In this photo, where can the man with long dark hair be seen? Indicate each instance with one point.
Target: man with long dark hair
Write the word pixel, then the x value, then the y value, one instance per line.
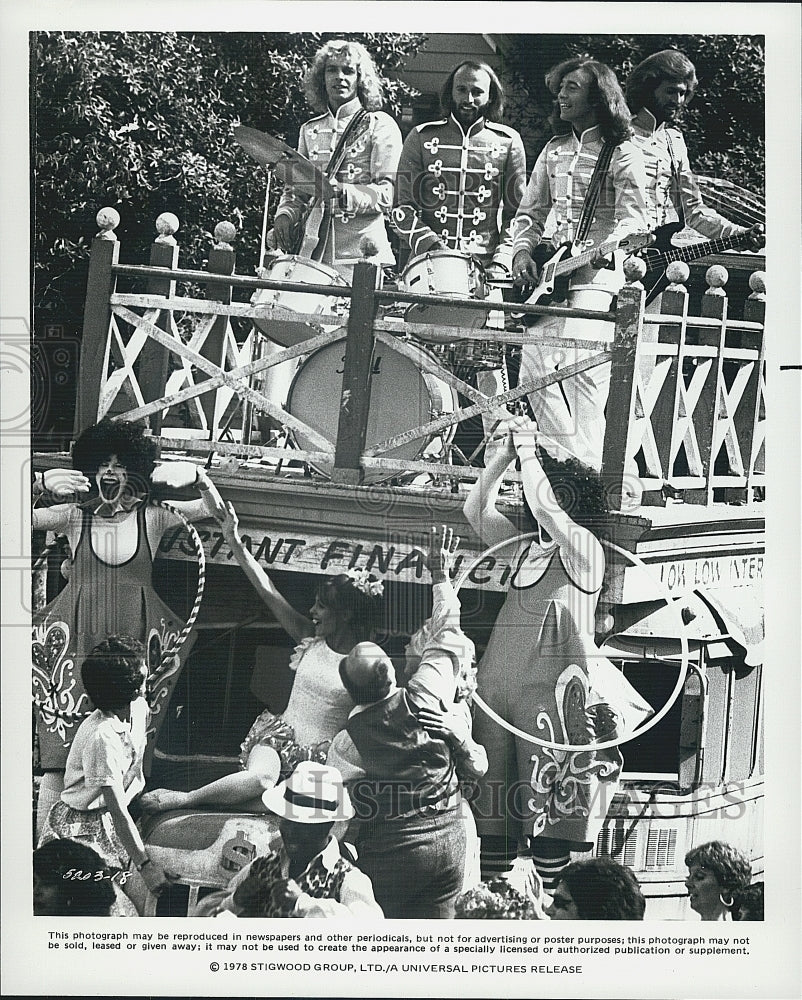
pixel 590 116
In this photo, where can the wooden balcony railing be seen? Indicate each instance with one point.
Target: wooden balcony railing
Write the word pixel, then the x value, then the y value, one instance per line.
pixel 686 400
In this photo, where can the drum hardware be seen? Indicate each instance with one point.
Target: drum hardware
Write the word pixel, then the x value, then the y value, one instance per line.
pixel 287 267
pixel 290 166
pixel 444 272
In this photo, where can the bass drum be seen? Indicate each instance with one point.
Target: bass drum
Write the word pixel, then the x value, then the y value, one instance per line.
pixel 402 397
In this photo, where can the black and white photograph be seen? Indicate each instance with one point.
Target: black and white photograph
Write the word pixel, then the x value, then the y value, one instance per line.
pixel 401 452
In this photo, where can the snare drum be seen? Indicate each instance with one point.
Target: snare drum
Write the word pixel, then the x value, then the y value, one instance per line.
pixel 402 397
pixel 475 354
pixel 299 270
pixel 444 272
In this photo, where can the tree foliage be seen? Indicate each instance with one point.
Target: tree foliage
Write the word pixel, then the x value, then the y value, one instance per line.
pixel 142 122
pixel 724 125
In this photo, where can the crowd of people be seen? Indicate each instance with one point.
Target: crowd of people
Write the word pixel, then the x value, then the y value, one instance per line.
pixel 392 794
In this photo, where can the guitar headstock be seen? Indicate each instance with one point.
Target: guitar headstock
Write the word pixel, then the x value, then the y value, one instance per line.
pixel 636 241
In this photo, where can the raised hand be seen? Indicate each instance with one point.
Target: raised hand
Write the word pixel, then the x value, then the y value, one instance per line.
pixel 443 547
pixel 64 482
pixel 175 474
pixel 230 523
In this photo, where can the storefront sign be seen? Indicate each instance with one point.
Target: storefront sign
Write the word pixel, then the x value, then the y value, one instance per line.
pixel 683 576
pixel 397 558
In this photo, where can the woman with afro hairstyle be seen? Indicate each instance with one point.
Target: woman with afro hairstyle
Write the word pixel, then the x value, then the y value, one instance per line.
pixel 541 671
pixel 104 508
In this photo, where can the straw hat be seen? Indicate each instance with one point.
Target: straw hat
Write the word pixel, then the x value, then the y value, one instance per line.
pixel 313 793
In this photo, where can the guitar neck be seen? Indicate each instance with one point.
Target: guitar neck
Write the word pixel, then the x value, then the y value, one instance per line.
pixel 697 250
pixel 574 263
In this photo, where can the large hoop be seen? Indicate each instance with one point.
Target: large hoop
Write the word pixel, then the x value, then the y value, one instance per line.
pixel 585 747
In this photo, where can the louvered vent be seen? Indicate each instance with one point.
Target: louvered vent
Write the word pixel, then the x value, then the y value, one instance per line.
pixel 661 848
pixel 610 843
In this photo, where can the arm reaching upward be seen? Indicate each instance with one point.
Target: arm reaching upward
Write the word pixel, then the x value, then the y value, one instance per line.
pixel 480 506
pixel 578 546
pixel 298 626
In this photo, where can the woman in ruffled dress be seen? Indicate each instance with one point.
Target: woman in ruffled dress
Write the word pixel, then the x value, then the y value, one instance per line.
pixel 346 611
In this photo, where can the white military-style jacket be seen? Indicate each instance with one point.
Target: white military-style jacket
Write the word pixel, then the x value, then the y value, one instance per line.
pixel 558 185
pixel 667 187
pixel 367 176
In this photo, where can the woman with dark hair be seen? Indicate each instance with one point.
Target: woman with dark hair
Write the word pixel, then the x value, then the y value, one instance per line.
pixel 717 873
pixel 591 122
pixel 114 535
pixel 346 611
pixel 71 879
pixel 541 672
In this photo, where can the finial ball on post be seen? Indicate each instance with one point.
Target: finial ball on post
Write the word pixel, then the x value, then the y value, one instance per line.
pixel 167 225
pixel 107 219
pixel 634 269
pixel 678 272
pixel 757 282
pixel 717 276
pixel 225 233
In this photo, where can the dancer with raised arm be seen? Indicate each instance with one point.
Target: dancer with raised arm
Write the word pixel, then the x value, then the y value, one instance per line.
pixel 346 611
pixel 114 535
pixel 541 672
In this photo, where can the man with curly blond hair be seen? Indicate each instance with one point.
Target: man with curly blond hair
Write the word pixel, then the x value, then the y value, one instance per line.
pixel 343 87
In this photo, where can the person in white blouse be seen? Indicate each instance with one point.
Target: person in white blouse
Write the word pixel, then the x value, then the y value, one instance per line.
pixel 346 611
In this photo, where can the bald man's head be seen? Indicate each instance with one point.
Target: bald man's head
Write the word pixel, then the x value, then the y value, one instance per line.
pixel 367 673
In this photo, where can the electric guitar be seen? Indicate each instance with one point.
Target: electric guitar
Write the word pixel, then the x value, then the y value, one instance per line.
pixel 553 281
pixel 313 226
pixel 663 252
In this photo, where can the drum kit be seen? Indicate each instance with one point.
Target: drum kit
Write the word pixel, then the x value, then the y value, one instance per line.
pixel 311 388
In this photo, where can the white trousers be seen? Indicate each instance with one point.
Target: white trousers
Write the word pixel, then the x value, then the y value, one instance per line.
pixel 570 413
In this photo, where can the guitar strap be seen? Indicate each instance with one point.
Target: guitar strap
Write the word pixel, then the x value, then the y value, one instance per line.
pixel 594 192
pixel 675 177
pixel 334 164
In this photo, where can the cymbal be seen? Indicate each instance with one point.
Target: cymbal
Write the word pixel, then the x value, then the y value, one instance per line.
pixel 287 163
